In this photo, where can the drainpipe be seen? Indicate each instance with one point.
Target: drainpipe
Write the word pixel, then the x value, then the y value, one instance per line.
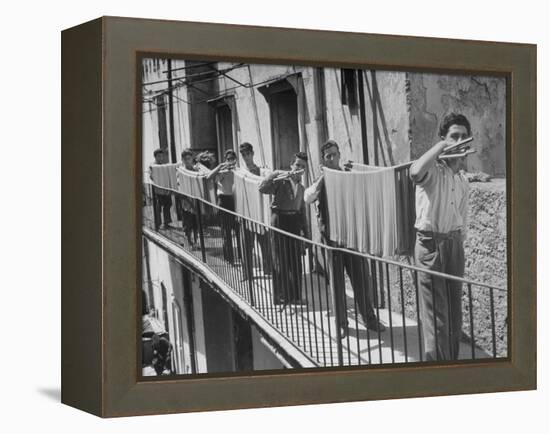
pixel 173 155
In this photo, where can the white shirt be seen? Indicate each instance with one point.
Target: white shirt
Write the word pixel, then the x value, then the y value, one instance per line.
pixel 442 200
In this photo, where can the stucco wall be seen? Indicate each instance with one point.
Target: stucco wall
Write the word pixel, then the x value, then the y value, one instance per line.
pixel 154 72
pixel 411 106
pixel 263 357
pixel 253 116
pixel 166 271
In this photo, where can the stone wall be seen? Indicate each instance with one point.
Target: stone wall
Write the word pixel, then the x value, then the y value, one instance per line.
pixel 486 261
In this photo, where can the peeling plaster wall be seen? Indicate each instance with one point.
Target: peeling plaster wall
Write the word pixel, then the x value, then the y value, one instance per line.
pixel 412 105
pixel 343 124
pixel 257 130
pixel 393 107
pixel 481 99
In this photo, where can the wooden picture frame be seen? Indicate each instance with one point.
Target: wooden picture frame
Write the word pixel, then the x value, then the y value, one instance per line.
pixel 101 228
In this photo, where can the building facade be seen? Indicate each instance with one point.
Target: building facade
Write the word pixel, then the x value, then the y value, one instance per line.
pixel 378 117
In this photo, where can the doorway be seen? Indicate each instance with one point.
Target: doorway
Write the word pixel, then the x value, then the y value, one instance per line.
pixel 285 133
pixel 224 129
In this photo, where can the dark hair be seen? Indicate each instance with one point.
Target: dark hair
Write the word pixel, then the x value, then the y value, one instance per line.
pixel 230 153
pixel 453 119
pixel 300 155
pixel 327 145
pixel 246 147
pixel 186 152
pixel 158 151
pixel 205 159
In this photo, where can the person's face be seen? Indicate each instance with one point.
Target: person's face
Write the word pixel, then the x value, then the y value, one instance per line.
pixel 161 158
pixel 331 158
pixel 248 156
pixel 188 161
pixel 298 164
pixel 456 133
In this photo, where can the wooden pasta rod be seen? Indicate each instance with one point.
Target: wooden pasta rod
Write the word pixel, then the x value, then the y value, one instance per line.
pixel 288 175
pixel 458 154
pixel 457 145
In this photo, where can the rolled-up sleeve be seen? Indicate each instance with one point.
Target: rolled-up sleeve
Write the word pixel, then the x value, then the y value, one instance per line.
pixel 428 177
pixel 268 186
pixel 312 192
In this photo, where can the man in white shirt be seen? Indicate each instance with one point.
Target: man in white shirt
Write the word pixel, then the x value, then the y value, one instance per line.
pixel 441 224
pixel 223 176
pixel 249 233
pixel 186 205
pixel 356 266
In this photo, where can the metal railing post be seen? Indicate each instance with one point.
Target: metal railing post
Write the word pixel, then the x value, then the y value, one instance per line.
pixel 156 212
pixel 333 263
pixel 201 233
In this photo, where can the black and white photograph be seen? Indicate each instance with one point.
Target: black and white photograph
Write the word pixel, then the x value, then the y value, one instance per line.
pixel 287 217
pixel 318 217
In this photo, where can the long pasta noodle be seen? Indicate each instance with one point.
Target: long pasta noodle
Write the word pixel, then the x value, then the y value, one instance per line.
pixel 370 209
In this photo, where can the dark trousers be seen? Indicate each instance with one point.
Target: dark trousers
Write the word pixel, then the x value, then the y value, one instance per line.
pixel 190 226
pixel 440 299
pixel 264 242
pixel 249 233
pixel 287 259
pixel 163 204
pixel 357 268
pixel 228 224
pixel 186 212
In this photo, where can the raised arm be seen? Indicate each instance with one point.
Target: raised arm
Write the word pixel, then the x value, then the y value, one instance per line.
pixel 268 185
pixel 312 192
pixel 421 166
pixel 212 174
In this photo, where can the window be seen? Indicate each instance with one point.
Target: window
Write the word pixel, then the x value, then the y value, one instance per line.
pixel 348 83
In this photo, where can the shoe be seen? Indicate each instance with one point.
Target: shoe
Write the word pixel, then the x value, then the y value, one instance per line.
pixel 376 325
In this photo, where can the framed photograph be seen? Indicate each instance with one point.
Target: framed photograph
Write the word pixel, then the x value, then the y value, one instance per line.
pixel 260 217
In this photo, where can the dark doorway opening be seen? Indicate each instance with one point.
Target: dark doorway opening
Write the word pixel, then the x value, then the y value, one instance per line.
pixel 224 129
pixel 284 127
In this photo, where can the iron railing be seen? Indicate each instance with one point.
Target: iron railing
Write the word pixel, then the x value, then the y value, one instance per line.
pixel 285 278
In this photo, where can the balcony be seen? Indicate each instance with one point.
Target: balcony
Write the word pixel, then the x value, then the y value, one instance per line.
pixel 240 255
